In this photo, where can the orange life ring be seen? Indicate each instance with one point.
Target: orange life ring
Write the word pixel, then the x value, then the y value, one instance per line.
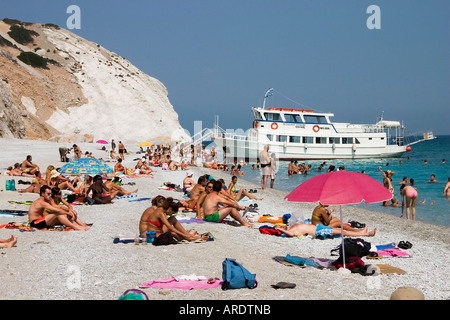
pixel 274 125
pixel 255 124
pixel 316 128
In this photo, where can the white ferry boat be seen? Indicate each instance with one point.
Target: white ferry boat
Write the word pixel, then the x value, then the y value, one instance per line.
pixel 301 134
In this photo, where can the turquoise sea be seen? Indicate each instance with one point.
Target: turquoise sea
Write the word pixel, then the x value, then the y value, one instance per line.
pixel 434 151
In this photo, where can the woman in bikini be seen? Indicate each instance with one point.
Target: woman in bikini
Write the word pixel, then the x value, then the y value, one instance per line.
pixel 411 195
pixel 238 195
pixel 154 219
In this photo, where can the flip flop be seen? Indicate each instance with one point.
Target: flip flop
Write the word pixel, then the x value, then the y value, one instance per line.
pixel 284 285
pixel 373 255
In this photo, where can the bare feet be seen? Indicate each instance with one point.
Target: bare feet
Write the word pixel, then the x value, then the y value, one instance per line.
pixel 372 233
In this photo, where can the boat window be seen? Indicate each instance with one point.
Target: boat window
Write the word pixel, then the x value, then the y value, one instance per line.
pixel 257 115
pixel 321 140
pixel 308 139
pixel 335 140
pixel 294 139
pixel 292 118
pixel 281 138
pixel 357 141
pixel 347 140
pixel 315 119
pixel 272 116
pixel 270 137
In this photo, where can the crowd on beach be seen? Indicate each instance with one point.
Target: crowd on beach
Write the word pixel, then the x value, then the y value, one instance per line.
pixel 212 200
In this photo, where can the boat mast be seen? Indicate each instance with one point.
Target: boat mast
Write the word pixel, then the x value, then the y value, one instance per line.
pixel 268 94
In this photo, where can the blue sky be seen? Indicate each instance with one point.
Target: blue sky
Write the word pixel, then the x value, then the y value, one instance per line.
pixel 220 57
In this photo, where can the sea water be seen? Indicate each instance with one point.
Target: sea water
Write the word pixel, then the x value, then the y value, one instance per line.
pixel 411 165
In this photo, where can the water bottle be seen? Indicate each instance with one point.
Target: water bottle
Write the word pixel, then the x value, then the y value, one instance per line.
pixel 137 240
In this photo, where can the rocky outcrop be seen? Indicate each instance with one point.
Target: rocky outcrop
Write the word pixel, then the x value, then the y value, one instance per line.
pixel 84 92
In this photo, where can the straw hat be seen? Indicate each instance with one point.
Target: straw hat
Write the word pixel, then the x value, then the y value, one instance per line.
pixel 109 176
pixel 54 174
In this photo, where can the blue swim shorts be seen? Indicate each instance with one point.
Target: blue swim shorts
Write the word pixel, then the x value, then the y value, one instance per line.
pixel 323 231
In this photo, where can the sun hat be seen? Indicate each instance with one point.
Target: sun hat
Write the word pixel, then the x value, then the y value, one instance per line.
pixel 189 173
pixel 54 174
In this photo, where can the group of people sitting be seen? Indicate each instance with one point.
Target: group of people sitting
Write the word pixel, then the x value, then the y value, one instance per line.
pixel 212 200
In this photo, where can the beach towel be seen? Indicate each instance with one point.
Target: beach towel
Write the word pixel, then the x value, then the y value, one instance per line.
pixel 387 269
pixel 394 252
pixel 128 196
pixel 270 219
pixel 21 202
pixel 184 283
pixel 23 227
pixel 12 213
pixel 139 199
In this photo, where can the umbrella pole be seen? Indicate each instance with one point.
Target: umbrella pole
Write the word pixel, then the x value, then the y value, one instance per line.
pixel 342 236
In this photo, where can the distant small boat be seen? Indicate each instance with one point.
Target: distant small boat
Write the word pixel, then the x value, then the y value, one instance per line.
pixel 429 136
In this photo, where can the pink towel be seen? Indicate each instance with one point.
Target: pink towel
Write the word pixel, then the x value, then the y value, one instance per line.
pixel 183 284
pixel 395 252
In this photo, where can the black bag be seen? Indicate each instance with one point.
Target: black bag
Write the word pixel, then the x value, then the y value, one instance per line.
pixel 164 239
pixel 353 248
pixel 89 200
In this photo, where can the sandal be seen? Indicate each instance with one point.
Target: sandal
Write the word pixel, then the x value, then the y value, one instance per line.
pixel 284 285
pixel 373 255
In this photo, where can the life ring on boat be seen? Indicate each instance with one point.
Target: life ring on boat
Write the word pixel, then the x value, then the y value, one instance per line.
pixel 255 124
pixel 316 128
pixel 274 126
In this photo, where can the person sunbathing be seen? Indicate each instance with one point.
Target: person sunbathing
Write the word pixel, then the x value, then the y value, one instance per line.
pixel 42 214
pixel 115 189
pixel 301 229
pixel 119 167
pixel 213 212
pixel 8 243
pixel 188 183
pixel 154 219
pixel 100 193
pixel 16 171
pixel 58 201
pixel 321 215
pixel 241 193
pixel 56 181
pixel 28 166
pixel 196 191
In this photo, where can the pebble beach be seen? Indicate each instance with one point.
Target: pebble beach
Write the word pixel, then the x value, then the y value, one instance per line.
pixel 88 265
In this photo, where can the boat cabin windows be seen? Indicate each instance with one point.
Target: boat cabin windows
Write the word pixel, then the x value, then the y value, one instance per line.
pixel 270 137
pixel 294 139
pixel 272 116
pixel 292 118
pixel 308 140
pixel 335 140
pixel 281 138
pixel 315 119
pixel 321 140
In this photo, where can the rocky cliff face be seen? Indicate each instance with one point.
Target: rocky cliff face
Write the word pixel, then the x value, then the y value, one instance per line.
pixel 83 92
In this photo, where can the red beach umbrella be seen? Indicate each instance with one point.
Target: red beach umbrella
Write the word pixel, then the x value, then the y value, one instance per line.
pixel 338 188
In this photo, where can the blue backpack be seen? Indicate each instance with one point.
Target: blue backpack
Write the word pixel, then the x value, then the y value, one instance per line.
pixel 235 276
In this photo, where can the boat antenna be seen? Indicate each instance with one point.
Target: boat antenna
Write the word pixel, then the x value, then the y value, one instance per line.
pixel 268 94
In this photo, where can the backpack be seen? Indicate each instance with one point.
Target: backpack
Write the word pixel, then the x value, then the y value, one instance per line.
pixel 164 239
pixel 10 185
pixel 353 248
pixel 235 276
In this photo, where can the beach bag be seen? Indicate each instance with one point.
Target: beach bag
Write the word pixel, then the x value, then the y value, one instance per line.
pixel 164 239
pixel 354 248
pixel 10 185
pixel 235 276
pixel 89 200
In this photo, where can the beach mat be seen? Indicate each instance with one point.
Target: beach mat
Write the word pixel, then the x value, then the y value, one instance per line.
pixel 387 269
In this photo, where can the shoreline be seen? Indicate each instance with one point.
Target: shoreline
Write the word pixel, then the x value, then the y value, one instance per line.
pixel 86 265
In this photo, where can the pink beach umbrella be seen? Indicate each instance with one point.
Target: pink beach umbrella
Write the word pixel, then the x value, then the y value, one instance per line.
pixel 102 141
pixel 338 188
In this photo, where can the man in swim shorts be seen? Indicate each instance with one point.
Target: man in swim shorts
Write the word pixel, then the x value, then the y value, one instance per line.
pixel 301 229
pixel 43 214
pixel 213 213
